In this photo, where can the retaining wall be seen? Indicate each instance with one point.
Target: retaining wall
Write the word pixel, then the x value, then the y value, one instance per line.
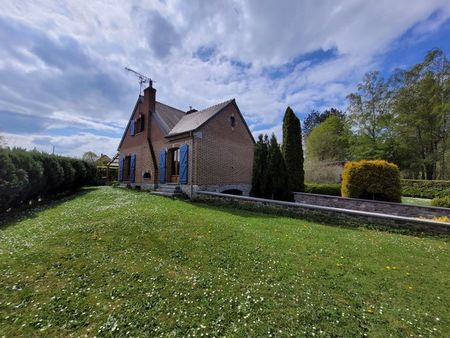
pixel 397 209
pixel 328 214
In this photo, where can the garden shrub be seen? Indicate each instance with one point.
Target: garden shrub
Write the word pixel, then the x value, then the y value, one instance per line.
pixel 12 180
pixel 323 189
pixel 443 202
pixel 425 188
pixel 27 175
pixel 34 173
pixel 373 179
pixel 69 171
pixel 54 173
pixel 91 173
pixel 80 172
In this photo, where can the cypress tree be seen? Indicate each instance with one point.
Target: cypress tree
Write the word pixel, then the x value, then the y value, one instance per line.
pixel 259 173
pixel 277 172
pixel 292 149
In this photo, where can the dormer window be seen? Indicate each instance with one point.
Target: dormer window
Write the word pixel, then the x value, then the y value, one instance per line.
pixel 232 121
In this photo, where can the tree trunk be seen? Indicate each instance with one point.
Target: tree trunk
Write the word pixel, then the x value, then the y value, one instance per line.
pixel 429 171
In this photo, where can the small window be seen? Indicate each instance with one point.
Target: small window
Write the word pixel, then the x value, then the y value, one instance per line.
pixel 147 175
pixel 232 121
pixel 140 124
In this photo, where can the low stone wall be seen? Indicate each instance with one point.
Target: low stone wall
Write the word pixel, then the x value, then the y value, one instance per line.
pixel 327 214
pixel 397 209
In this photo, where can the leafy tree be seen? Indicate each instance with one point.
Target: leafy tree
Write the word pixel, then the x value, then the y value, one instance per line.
pixel 260 174
pixel 329 141
pixel 422 110
pixel 278 172
pixel 90 156
pixel 293 151
pixel 315 118
pixel 371 118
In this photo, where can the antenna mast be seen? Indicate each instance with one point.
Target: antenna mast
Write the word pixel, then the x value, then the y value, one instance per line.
pixel 142 78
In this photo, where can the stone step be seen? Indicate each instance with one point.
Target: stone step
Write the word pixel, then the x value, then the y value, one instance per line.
pixel 169 190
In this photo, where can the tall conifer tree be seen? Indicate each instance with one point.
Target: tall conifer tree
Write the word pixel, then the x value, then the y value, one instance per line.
pixel 259 175
pixel 292 149
pixel 278 175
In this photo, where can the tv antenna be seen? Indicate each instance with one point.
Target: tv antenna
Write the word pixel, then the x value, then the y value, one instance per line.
pixel 142 78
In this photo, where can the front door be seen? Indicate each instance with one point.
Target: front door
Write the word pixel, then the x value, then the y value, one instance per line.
pixel 174 160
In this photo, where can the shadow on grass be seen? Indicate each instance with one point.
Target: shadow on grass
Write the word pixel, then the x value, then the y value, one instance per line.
pixel 8 219
pixel 248 210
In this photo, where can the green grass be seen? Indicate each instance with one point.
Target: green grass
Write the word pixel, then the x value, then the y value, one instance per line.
pixel 426 202
pixel 113 262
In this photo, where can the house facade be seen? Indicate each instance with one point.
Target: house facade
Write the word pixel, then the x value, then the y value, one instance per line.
pixel 210 150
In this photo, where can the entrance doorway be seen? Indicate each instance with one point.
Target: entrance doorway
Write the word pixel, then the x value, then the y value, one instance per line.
pixel 174 165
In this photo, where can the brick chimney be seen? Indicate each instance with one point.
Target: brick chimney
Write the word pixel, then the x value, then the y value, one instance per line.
pixel 149 98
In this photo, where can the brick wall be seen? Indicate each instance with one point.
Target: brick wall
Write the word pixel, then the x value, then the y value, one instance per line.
pixel 138 144
pixel 224 154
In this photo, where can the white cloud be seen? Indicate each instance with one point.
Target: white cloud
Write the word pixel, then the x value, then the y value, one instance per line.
pixel 84 83
pixel 72 145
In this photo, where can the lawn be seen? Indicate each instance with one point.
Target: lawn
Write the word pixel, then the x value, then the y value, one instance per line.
pixel 425 202
pixel 114 262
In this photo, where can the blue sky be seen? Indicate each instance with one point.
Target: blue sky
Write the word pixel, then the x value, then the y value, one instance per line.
pixel 62 74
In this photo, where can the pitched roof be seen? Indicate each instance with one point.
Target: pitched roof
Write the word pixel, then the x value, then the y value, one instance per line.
pixel 192 121
pixel 167 116
pixel 174 121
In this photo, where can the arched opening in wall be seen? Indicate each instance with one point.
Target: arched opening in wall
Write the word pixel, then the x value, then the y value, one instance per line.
pixel 232 192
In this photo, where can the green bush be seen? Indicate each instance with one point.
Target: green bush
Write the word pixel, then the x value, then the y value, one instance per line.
pixel 323 188
pixel 69 171
pixel 12 181
pixel 54 173
pixel 91 173
pixel 27 175
pixel 425 188
pixel 35 172
pixel 374 179
pixel 443 202
pixel 80 173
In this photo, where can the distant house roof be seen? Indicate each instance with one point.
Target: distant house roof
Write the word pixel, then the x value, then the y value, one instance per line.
pixel 103 158
pixel 192 121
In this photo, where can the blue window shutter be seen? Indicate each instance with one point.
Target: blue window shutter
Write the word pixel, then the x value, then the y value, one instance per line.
pixel 121 164
pixel 162 166
pixel 184 163
pixel 132 125
pixel 133 168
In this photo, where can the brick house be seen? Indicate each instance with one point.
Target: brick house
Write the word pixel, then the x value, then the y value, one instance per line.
pixel 167 149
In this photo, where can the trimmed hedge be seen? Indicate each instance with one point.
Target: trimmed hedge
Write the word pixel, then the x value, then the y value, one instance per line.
pixel 333 189
pixel 443 202
pixel 30 175
pixel 375 179
pixel 425 188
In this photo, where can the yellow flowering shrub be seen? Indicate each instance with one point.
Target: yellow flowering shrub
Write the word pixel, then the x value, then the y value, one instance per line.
pixel 441 219
pixel 371 179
